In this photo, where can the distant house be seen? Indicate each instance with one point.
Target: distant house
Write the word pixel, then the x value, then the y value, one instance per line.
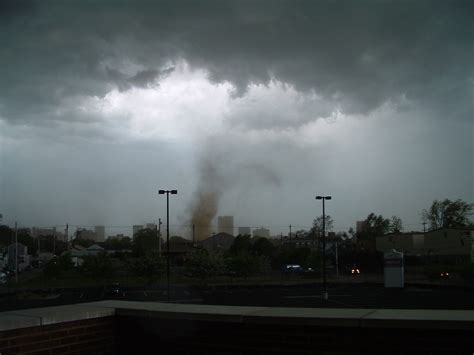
pixel 455 244
pixel 179 245
pixel 220 241
pixel 78 252
pixel 94 250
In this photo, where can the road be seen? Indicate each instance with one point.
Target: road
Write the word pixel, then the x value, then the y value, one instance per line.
pixel 340 296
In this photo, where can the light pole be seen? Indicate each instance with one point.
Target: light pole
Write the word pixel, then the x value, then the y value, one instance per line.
pixel 168 192
pixel 325 292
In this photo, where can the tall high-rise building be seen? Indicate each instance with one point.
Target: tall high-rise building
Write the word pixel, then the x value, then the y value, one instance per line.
pixel 225 224
pixel 151 226
pixel 245 231
pixel 137 228
pixel 99 233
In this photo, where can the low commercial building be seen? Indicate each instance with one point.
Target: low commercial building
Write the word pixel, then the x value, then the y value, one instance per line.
pixel 99 233
pixel 454 244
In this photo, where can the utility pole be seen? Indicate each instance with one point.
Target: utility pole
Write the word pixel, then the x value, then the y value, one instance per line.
pixel 54 241
pixel 168 192
pixel 66 236
pixel 159 236
pixel 325 289
pixel 290 231
pixel 16 253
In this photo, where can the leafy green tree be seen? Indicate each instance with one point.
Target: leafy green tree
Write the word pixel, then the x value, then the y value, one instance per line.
pixel 377 225
pixel 396 224
pixel 7 236
pixel 246 264
pixel 374 226
pixel 99 267
pixel 448 214
pixel 313 260
pixel 262 246
pixel 317 228
pixel 151 267
pixel 48 244
pixel 57 265
pixel 124 243
pixel 241 244
pixel 202 265
pixel 146 241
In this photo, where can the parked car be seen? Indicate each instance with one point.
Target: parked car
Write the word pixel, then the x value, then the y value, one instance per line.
pixel 114 290
pixel 353 270
pixel 292 268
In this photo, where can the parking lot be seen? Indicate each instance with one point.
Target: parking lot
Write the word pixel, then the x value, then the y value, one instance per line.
pixel 308 295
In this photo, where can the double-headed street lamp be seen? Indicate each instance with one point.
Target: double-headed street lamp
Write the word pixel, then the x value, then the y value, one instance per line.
pixel 168 192
pixel 325 294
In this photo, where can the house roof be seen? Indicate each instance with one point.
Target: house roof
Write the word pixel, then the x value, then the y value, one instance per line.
pixel 95 247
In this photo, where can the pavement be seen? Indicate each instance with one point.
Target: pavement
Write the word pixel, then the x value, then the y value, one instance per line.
pixel 341 295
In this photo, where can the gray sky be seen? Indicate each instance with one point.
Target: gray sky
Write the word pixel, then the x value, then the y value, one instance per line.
pixel 102 103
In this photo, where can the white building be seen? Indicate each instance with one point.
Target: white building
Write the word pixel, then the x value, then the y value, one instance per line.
pixel 261 232
pixel 440 243
pixel 99 233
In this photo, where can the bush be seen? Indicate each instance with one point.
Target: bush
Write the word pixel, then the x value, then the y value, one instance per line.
pixel 246 264
pixel 57 265
pixel 467 272
pixel 100 267
pixel 202 265
pixel 151 267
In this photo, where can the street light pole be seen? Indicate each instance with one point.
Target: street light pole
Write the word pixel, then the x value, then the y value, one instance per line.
pixel 325 290
pixel 168 192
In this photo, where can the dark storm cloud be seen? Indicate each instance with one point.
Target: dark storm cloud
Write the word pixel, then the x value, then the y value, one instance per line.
pixel 357 55
pixel 142 79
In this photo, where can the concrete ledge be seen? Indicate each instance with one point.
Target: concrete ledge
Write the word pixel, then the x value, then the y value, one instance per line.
pixel 420 319
pixel 180 311
pixel 332 317
pixel 327 317
pixel 51 315
pixel 10 321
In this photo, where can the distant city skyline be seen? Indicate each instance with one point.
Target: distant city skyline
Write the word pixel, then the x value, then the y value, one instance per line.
pixel 251 110
pixel 186 230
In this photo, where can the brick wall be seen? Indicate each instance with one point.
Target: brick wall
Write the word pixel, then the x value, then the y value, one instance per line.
pixel 88 336
pixel 122 327
pixel 168 336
